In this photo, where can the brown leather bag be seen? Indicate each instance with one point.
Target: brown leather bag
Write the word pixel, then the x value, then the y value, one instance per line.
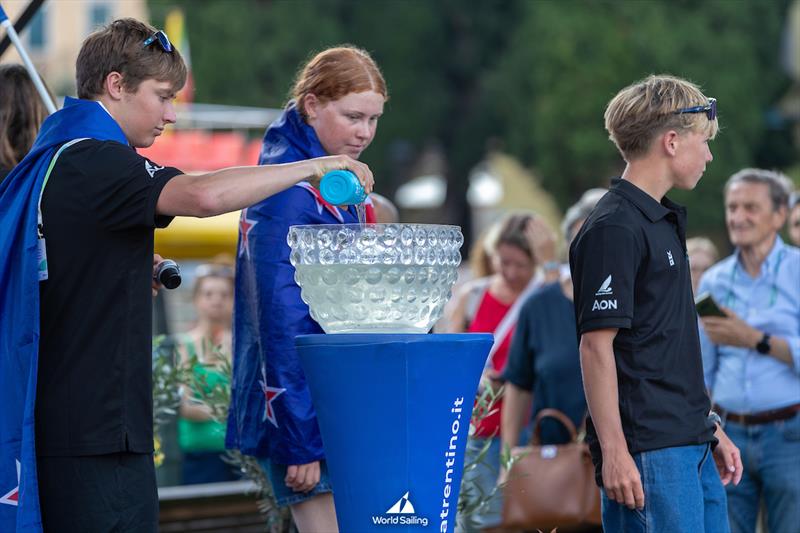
pixel 552 485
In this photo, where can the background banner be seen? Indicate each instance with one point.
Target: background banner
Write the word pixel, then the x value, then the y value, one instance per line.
pixel 394 414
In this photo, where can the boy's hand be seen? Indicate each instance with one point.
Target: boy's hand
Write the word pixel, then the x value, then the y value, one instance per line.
pixel 728 459
pixel 323 165
pixel 157 259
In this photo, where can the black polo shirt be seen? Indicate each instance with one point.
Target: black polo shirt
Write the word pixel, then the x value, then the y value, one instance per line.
pixel 630 271
pixel 94 392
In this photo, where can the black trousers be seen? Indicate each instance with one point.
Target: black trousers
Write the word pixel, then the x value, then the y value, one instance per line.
pixel 98 493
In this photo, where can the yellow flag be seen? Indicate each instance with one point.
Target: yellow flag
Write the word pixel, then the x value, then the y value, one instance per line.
pixel 176 30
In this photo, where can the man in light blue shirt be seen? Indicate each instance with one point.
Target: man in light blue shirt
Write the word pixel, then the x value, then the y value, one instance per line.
pixel 751 357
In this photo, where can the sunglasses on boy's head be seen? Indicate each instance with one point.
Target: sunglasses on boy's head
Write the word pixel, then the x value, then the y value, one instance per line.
pixel 710 109
pixel 161 38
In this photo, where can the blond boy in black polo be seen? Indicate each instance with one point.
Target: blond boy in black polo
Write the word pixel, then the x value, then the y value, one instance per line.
pixel 650 432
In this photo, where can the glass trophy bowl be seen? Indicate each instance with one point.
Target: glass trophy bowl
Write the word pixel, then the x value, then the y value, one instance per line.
pixel 376 278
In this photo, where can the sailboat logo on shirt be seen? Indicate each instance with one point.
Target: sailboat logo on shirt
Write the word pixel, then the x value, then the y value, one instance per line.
pixel 605 289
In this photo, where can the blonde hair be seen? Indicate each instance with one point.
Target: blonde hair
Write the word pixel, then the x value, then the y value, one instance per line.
pixel 482 250
pixel 645 109
pixel 221 266
pixel 703 245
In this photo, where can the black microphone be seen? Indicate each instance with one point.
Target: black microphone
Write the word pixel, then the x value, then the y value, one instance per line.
pixel 168 273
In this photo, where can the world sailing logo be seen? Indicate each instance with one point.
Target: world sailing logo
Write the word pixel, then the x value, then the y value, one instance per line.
pixel 403 506
pixel 401 513
pixel 604 290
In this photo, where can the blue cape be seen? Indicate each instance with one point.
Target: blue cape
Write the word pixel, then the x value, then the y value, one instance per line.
pixel 289 139
pixel 271 413
pixel 19 306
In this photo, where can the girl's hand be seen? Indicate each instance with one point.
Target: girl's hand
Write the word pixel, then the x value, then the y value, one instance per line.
pixel 303 478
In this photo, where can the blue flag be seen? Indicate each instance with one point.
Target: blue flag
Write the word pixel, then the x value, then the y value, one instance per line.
pixel 271 414
pixel 19 306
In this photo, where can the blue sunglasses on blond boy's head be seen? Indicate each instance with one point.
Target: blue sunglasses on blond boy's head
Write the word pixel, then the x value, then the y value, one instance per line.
pixel 161 38
pixel 710 109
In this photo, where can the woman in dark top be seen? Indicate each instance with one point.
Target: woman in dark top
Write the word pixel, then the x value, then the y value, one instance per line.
pixel 544 363
pixel 543 369
pixel 21 113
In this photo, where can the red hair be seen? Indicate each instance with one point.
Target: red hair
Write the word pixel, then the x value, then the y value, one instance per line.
pixel 337 72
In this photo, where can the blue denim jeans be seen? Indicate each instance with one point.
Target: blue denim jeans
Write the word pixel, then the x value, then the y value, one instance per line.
pixel 682 494
pixel 284 496
pixel 771 459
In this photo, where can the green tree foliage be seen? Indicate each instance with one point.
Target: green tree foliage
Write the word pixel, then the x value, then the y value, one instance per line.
pixel 564 65
pixel 535 75
pixel 246 52
pixel 444 52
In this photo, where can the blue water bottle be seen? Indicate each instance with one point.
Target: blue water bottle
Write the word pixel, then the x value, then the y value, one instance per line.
pixel 341 187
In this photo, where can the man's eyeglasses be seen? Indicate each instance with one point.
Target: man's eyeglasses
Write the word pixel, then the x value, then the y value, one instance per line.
pixel 710 109
pixel 161 38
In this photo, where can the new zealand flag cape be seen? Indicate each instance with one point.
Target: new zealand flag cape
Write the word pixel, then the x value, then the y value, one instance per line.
pixel 19 305
pixel 271 413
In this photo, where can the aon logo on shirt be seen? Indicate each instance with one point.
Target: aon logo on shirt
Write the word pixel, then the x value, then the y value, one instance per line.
pixel 604 305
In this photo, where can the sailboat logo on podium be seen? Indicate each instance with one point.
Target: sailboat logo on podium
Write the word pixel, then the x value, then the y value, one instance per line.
pixel 403 506
pixel 402 513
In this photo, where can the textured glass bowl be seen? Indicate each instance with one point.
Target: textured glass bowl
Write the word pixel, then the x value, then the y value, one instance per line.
pixel 379 278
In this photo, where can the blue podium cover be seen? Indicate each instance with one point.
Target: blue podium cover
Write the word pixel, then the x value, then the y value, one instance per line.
pixel 394 414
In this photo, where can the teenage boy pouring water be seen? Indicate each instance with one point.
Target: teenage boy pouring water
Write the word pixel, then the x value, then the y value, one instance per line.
pixel 100 203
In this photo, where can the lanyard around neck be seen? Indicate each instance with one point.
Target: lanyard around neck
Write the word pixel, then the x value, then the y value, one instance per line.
pixel 730 299
pixel 39 221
